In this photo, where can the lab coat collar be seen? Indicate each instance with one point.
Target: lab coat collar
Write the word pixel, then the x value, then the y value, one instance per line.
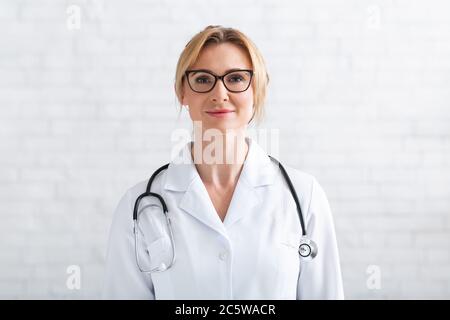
pixel 257 169
pixel 182 176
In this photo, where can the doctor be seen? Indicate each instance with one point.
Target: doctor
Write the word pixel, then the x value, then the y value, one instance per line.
pixel 236 230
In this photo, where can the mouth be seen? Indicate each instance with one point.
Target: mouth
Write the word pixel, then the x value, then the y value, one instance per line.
pixel 220 112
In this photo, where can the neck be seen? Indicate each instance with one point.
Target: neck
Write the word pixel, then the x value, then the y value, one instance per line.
pixel 219 162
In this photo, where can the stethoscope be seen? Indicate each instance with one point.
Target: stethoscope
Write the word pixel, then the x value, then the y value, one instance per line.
pixel 307 248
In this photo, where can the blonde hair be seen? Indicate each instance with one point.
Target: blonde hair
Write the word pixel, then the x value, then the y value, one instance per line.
pixel 217 35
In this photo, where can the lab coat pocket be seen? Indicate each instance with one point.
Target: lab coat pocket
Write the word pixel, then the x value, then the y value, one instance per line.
pixel 291 240
pixel 160 253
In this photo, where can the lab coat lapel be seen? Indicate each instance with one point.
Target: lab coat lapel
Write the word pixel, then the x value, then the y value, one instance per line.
pixel 197 203
pixel 182 176
pixel 242 203
pixel 257 172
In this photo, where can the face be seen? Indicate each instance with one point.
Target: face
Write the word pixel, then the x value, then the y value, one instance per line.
pixel 218 59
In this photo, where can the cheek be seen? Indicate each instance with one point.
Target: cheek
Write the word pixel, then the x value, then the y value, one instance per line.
pixel 194 103
pixel 245 101
pixel 194 112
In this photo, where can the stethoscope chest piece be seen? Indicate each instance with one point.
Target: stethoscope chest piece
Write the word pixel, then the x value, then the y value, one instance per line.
pixel 307 248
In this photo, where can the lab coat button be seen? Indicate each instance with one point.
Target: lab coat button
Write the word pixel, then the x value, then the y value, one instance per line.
pixel 223 256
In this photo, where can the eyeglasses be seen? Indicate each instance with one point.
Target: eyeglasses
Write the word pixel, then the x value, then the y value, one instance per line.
pixel 203 81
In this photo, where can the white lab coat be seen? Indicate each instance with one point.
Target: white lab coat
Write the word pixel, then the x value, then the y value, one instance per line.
pixel 252 254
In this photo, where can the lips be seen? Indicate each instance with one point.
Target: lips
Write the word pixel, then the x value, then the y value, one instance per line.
pixel 218 111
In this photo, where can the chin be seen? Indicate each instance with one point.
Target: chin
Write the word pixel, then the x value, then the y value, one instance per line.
pixel 221 125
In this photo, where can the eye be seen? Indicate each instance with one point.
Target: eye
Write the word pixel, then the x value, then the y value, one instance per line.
pixel 203 80
pixel 236 79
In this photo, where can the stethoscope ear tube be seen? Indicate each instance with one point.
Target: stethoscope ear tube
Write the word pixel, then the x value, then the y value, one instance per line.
pixel 148 194
pixel 307 248
pixel 293 193
pixel 152 194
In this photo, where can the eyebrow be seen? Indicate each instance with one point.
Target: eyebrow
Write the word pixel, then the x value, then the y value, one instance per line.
pixel 226 71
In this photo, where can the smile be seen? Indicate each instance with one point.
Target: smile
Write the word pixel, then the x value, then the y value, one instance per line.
pixel 220 113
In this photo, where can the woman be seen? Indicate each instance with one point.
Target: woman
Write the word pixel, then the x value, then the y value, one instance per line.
pixel 235 226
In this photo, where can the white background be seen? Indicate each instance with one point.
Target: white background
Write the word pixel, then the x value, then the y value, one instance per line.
pixel 359 93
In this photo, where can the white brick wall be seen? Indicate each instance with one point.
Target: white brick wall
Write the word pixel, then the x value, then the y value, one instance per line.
pixel 359 93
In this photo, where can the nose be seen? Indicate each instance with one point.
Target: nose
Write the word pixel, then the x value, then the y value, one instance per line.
pixel 219 92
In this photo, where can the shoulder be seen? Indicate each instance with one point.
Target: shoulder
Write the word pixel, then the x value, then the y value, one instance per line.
pixel 302 181
pixel 137 189
pixel 307 187
pixel 127 201
pixel 140 187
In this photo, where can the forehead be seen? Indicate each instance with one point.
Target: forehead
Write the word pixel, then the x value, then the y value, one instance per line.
pixel 219 58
